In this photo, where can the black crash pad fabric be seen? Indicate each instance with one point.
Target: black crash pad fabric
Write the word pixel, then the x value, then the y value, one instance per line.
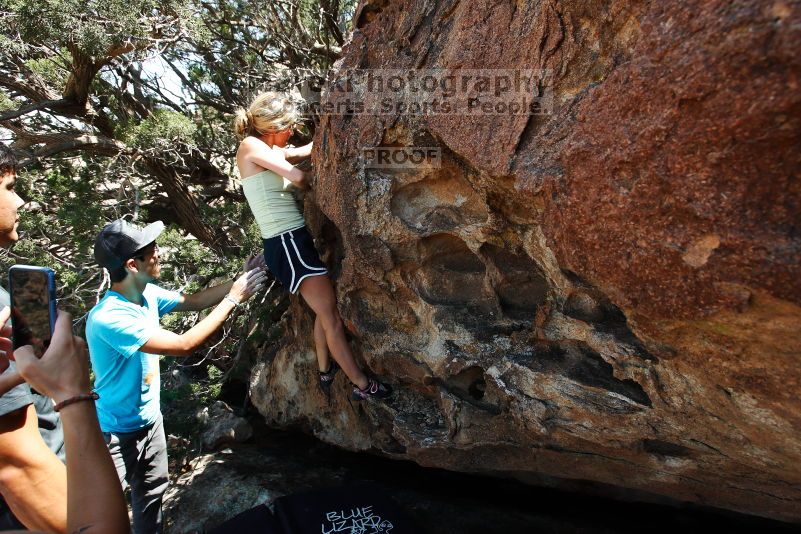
pixel 363 509
pixel 258 520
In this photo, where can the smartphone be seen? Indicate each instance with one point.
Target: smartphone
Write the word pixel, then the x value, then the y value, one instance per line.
pixel 33 305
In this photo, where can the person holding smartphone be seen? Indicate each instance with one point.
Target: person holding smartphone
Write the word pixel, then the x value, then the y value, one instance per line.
pixel 33 479
pixel 125 341
pixel 95 502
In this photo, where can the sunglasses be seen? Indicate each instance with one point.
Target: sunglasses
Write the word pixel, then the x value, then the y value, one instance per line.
pixel 145 252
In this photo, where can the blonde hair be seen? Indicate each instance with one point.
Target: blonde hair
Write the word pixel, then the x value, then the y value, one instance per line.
pixel 270 112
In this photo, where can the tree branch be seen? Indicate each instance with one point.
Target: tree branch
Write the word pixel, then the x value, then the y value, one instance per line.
pixel 25 88
pixel 331 52
pixel 86 144
pixel 44 104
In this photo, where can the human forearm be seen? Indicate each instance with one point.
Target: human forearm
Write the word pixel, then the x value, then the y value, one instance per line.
pixel 91 499
pixel 166 342
pixel 193 338
pixel 9 380
pixel 296 176
pixel 205 299
pixel 32 479
pixel 228 296
pixel 272 160
pixel 94 496
pixel 300 152
pixel 37 496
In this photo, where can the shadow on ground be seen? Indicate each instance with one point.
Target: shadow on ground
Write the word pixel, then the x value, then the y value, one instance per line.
pixel 274 463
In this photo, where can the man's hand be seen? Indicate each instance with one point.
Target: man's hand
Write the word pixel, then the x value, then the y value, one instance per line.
pixel 255 262
pixel 247 285
pixel 63 370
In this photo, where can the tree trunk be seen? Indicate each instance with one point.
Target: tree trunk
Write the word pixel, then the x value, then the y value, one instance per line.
pixel 186 209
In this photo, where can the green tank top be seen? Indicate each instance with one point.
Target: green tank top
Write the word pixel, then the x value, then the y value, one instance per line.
pixel 272 203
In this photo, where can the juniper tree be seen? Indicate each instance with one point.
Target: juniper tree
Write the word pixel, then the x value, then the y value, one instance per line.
pixel 122 107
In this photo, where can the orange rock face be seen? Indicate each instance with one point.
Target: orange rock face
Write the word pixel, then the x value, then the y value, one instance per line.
pixel 605 294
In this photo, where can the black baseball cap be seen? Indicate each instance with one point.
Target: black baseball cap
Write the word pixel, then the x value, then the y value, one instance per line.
pixel 120 240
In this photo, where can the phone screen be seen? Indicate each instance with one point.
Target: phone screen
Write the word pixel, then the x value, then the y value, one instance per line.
pixel 31 309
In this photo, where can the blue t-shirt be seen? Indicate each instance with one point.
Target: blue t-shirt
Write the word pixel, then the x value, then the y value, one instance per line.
pixel 127 379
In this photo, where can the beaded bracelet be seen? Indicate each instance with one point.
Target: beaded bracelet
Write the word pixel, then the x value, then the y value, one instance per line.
pixel 77 398
pixel 230 299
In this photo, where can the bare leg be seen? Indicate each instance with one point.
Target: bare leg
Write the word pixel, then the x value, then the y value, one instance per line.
pixel 318 293
pixel 321 346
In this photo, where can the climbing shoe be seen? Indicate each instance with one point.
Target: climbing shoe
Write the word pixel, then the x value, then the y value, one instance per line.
pixel 374 390
pixel 327 377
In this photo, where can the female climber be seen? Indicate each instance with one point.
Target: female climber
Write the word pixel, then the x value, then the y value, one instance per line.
pixel 267 180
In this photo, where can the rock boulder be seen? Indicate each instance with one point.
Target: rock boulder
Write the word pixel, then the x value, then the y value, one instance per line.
pixel 604 295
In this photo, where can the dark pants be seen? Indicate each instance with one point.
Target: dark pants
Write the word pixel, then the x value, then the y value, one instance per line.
pixel 141 461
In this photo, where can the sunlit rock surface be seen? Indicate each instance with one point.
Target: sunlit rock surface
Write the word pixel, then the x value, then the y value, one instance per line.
pixel 605 296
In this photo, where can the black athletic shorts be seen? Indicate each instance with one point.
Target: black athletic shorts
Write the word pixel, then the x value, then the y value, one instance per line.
pixel 291 257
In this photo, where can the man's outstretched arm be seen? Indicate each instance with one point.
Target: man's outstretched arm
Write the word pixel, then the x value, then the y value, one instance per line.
pixel 166 342
pixel 213 295
pixel 203 299
pixel 33 480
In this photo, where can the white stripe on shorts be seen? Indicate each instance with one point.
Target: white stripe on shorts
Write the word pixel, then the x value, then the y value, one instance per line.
pixel 289 259
pixel 292 240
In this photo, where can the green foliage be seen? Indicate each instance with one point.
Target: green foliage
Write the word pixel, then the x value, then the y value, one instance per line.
pixel 201 391
pixel 184 257
pixel 49 70
pixel 97 26
pixel 181 403
pixel 134 111
pixel 63 201
pixel 181 393
pixel 215 382
pixel 161 130
pixel 6 104
pixel 216 135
